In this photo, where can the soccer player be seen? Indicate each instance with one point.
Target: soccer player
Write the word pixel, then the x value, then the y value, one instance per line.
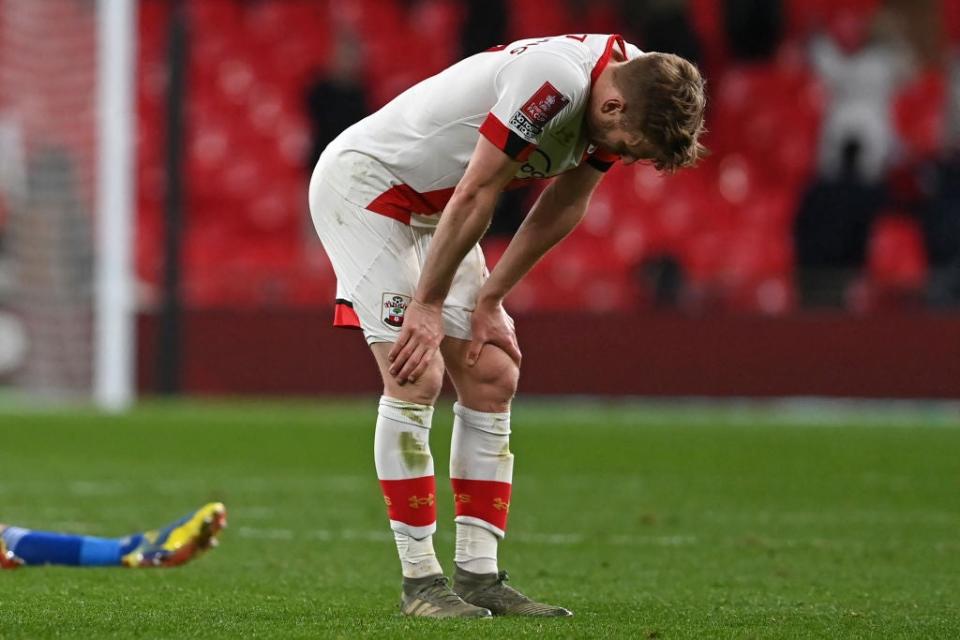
pixel 173 545
pixel 400 201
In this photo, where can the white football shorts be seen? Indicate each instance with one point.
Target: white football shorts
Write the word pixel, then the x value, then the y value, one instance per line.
pixel 378 260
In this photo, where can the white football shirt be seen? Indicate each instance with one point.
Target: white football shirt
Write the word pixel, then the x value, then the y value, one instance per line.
pixel 529 98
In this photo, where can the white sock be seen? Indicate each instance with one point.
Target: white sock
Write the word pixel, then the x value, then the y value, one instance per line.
pixel 417 557
pixel 476 549
pixel 405 470
pixel 481 472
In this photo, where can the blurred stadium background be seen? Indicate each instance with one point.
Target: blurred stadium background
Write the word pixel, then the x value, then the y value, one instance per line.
pixel 816 252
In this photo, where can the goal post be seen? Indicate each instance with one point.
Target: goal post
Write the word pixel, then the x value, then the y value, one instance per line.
pixel 114 339
pixel 67 166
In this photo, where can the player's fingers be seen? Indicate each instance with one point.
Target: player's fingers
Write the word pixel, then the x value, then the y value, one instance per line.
pixel 411 362
pixel 513 350
pixel 509 344
pixel 398 345
pixel 400 360
pixel 422 366
pixel 474 349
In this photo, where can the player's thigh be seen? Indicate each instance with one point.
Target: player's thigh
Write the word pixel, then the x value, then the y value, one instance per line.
pixel 376 260
pixel 462 297
pixel 490 384
pixel 424 390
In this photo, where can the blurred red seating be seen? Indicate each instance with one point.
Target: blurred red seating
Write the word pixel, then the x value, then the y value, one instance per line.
pixel 895 255
pixel 728 222
pixel 804 16
pixel 920 114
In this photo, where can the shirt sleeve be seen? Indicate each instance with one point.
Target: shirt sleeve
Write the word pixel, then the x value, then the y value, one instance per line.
pixel 533 91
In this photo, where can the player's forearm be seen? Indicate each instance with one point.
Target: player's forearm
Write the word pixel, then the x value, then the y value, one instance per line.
pixel 464 221
pixel 549 221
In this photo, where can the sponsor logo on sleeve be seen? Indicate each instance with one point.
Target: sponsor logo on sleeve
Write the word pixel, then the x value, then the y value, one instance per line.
pixel 536 112
pixel 524 127
pixel 544 104
pixel 394 306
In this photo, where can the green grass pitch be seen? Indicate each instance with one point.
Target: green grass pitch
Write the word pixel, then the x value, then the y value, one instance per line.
pixel 649 521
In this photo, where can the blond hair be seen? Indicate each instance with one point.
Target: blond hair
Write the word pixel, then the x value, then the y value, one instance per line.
pixel 665 103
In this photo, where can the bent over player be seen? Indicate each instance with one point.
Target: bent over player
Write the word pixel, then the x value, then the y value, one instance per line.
pixel 400 201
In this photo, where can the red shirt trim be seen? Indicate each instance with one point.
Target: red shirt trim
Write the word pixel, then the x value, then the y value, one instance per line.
pixel 506 139
pixel 615 39
pixel 600 160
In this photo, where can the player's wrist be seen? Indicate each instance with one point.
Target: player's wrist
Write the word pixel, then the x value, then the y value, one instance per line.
pixel 431 305
pixel 489 300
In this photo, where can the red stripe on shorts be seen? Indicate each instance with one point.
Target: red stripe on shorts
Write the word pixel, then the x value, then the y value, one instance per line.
pixel 411 501
pixel 344 316
pixel 399 201
pixel 487 500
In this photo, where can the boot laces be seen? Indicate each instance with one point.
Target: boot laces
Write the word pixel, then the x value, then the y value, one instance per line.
pixel 440 590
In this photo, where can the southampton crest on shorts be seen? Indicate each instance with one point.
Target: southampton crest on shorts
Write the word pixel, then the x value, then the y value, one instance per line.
pixel 394 305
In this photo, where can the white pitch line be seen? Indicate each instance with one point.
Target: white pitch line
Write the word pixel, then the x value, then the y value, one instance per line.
pixel 95 488
pixel 271 534
pixel 858 516
pixel 549 538
pixel 553 539
pixel 656 541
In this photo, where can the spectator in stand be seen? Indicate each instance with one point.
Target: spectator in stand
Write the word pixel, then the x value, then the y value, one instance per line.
pixel 941 215
pixel 953 100
pixel 663 282
pixel 484 25
pixel 662 25
pixel 753 27
pixel 831 230
pixel 861 76
pixel 336 99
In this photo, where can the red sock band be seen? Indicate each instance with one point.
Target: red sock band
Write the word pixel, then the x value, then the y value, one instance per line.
pixel 486 500
pixel 411 501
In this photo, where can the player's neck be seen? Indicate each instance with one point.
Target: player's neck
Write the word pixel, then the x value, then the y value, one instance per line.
pixel 603 87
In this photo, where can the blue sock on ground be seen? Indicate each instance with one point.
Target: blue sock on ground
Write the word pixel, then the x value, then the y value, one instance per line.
pixel 46 547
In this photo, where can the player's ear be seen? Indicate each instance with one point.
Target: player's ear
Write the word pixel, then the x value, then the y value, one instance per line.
pixel 612 106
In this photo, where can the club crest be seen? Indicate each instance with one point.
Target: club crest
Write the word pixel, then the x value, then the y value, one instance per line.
pixel 394 306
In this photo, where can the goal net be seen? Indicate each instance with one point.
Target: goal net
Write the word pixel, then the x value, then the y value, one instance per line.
pixel 54 158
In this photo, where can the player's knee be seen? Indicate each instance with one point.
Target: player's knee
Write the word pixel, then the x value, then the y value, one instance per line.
pixel 431 382
pixel 424 390
pixel 498 374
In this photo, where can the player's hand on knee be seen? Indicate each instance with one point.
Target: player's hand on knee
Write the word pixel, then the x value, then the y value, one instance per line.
pixel 491 324
pixel 418 342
